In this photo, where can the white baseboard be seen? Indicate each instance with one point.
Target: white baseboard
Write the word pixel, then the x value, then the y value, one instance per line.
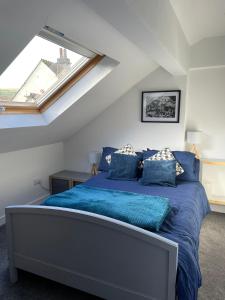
pixel 34 202
pixel 218 208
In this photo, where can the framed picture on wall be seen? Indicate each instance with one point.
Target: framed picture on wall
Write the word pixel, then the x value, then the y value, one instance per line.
pixel 161 106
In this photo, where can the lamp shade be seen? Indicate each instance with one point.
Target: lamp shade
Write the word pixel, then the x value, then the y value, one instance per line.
pixel 93 157
pixel 194 137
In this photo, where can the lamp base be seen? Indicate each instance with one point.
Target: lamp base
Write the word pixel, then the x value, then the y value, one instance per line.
pixel 195 151
pixel 94 170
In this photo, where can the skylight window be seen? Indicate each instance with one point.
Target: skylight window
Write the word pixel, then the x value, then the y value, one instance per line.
pixel 44 66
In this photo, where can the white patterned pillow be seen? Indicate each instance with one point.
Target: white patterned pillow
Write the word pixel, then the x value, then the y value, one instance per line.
pixel 126 150
pixel 166 154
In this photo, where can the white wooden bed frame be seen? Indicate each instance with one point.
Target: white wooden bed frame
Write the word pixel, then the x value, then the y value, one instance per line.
pixel 93 253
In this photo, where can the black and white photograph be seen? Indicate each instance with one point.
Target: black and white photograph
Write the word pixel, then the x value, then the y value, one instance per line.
pixel 161 106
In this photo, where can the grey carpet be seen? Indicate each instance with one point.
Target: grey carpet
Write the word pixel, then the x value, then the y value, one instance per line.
pixel 212 257
pixel 212 260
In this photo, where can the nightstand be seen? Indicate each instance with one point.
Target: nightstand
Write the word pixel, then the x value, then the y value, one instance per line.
pixel 65 180
pixel 213 199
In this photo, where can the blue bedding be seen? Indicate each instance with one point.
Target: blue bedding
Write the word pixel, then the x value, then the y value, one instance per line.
pixel 140 210
pixel 182 225
pixel 189 207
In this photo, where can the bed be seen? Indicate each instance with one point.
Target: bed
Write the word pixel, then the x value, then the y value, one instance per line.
pixel 110 258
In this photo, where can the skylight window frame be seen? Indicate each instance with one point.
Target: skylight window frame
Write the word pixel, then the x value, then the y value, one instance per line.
pixel 51 96
pixel 60 39
pixel 60 83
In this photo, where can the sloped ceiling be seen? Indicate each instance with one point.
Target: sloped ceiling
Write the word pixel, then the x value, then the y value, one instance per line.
pixel 79 20
pixel 200 18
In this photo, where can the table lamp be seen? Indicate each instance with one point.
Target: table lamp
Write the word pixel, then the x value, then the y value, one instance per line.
pixel 93 158
pixel 194 138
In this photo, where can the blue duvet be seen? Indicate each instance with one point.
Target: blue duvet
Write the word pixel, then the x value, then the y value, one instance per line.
pixel 189 207
pixel 140 210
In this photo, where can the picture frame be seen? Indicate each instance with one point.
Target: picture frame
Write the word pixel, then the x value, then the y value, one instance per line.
pixel 161 106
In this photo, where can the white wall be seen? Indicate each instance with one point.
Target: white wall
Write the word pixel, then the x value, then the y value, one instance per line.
pixel 206 109
pixel 209 52
pixel 121 124
pixel 206 112
pixel 20 168
pixel 169 31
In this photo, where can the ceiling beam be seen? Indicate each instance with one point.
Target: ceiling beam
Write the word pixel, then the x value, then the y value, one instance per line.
pixel 150 25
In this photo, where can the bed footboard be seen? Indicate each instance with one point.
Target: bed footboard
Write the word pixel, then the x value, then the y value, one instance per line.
pixel 93 253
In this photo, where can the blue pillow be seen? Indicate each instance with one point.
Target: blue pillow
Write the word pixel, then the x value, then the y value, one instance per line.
pixel 103 165
pixel 140 155
pixel 123 167
pixel 190 165
pixel 186 159
pixel 162 172
pixel 197 168
pixel 148 153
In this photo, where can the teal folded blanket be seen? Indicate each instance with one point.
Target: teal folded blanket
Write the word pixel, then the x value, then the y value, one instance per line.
pixel 140 210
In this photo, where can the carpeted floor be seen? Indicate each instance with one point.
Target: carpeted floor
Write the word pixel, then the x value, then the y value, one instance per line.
pixel 212 259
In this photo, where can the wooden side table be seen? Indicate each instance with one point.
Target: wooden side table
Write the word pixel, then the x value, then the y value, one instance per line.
pixel 65 180
pixel 215 200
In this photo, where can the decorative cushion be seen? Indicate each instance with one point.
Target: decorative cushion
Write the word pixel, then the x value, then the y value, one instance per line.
pixel 126 150
pixel 197 168
pixel 162 172
pixel 123 167
pixel 186 159
pixel 190 165
pixel 166 154
pixel 103 165
pixel 147 153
